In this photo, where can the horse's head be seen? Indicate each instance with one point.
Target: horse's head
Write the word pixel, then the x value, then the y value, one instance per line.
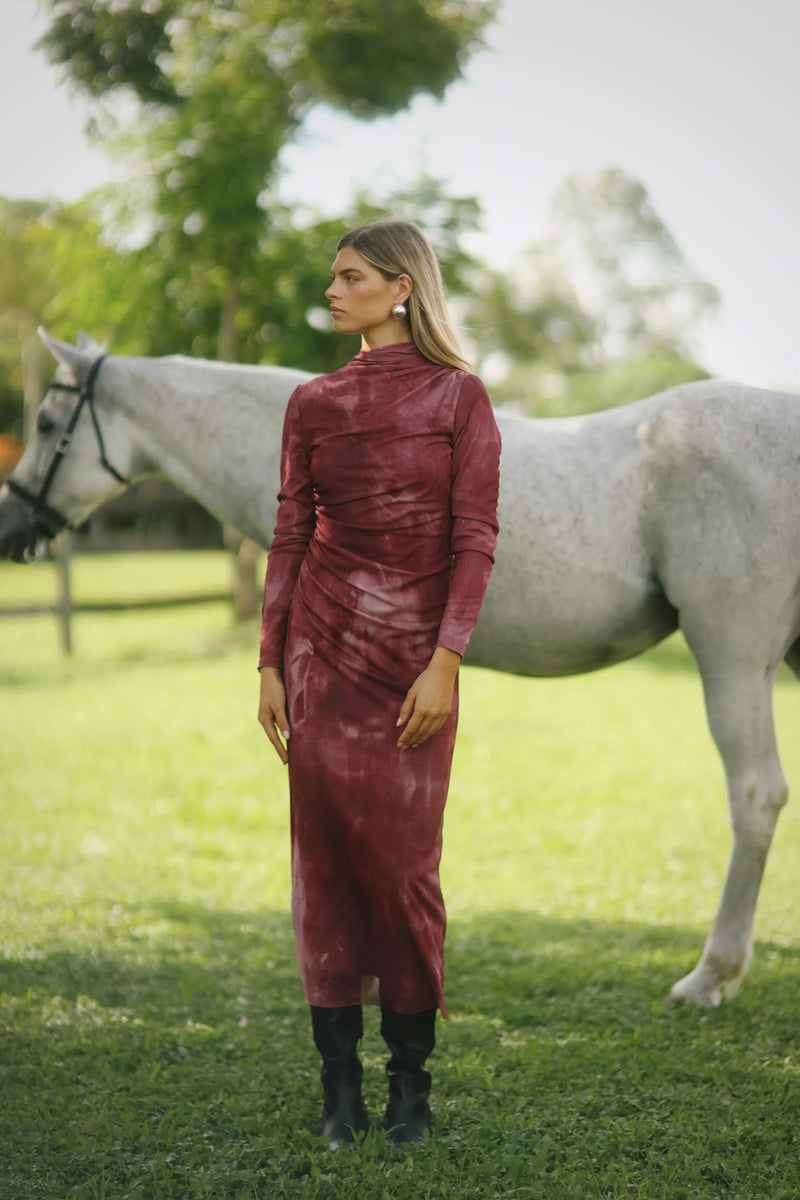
pixel 76 458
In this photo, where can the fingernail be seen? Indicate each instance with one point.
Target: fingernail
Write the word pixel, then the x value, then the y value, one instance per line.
pixel 286 733
pixel 398 722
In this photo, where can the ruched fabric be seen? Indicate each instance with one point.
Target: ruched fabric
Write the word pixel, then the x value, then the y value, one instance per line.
pixel 383 548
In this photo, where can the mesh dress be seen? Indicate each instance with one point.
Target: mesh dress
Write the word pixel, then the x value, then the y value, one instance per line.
pixel 383 548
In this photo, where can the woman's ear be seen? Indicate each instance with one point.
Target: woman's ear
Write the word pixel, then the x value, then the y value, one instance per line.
pixel 405 286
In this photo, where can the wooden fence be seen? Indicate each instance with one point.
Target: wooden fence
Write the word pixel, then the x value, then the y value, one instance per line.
pixel 242 595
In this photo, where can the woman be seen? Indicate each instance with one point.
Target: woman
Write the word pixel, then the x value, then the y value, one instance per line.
pixel 382 552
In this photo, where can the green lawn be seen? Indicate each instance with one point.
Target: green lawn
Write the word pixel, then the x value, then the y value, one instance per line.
pixel 154 1042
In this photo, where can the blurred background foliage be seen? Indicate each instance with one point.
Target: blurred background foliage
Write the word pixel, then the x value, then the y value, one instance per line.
pixel 191 252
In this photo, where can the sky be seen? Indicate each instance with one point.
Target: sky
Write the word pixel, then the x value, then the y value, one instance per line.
pixel 699 99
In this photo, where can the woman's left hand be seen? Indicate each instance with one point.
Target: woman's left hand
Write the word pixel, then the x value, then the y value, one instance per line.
pixel 429 700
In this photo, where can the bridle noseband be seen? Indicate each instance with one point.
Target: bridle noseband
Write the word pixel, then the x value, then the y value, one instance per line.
pixel 46 520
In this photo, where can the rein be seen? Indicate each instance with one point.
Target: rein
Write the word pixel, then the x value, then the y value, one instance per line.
pixel 45 519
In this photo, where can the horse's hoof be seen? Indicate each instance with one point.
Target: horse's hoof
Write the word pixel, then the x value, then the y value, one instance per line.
pixel 690 990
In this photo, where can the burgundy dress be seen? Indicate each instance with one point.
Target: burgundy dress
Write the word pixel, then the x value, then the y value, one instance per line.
pixel 383 548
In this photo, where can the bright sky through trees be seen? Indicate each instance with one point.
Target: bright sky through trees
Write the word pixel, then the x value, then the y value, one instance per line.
pixel 698 101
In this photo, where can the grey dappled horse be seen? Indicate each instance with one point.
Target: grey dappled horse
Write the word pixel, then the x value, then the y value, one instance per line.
pixel 682 510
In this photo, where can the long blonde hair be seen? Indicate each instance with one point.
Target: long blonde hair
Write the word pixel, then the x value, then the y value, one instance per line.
pixel 399 248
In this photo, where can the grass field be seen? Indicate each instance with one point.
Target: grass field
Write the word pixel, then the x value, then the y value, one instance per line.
pixel 154 1042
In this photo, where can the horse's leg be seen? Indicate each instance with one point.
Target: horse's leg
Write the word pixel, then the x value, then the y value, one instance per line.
pixel 739 706
pixel 792 658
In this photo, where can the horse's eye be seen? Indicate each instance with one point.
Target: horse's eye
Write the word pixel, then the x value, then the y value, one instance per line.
pixel 44 422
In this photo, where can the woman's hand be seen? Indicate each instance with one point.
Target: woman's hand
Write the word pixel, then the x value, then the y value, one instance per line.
pixel 429 700
pixel 272 710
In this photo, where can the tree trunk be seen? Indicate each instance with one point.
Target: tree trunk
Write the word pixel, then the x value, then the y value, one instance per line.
pixel 246 598
pixel 33 372
pixel 246 601
pixel 227 342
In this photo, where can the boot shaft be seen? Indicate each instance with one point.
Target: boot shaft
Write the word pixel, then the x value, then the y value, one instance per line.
pixel 337 1032
pixel 410 1037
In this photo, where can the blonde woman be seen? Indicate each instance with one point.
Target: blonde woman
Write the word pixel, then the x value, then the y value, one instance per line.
pixel 382 552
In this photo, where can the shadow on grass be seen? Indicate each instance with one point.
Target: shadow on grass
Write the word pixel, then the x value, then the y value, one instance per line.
pixel 176 965
pixel 184 1050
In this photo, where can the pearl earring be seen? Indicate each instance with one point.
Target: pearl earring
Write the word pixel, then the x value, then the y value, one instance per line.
pixel 399 311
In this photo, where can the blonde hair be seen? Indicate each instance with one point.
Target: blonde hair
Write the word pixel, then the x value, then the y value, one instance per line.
pixel 400 248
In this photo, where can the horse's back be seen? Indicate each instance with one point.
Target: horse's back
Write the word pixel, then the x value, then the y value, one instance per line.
pixel 711 423
pixel 573 587
pixel 613 524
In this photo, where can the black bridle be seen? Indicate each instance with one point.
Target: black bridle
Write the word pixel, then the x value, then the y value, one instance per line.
pixel 46 520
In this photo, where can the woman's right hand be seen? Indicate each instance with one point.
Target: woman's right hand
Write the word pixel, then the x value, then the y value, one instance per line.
pixel 272 710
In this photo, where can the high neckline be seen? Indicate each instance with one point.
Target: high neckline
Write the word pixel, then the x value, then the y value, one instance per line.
pixel 395 354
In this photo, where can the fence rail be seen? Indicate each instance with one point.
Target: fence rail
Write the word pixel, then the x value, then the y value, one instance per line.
pixel 112 605
pixel 242 595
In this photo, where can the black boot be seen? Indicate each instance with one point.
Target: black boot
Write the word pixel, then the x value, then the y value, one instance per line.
pixel 337 1032
pixel 410 1038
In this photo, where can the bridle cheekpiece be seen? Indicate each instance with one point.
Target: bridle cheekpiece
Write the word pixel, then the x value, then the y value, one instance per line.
pixel 46 520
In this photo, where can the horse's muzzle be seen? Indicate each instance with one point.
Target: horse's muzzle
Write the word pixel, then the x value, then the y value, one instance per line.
pixel 19 534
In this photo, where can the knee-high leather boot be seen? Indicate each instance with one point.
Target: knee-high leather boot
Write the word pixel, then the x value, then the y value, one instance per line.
pixel 410 1038
pixel 337 1032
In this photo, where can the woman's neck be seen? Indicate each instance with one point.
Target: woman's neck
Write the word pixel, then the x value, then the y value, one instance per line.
pixel 384 337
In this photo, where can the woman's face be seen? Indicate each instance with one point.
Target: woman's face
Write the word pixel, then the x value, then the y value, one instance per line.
pixel 362 300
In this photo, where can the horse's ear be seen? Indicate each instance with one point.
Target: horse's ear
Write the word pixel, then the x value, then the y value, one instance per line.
pixel 69 356
pixel 87 344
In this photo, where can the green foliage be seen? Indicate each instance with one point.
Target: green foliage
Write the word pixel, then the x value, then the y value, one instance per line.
pixel 369 57
pixel 154 1042
pixel 57 269
pixel 621 383
pixel 131 300
pixel 372 59
pixel 545 327
pixel 23 258
pixel 52 262
pixel 627 268
pixel 605 308
pixel 60 270
pixel 23 293
pixel 113 44
pixel 546 393
pixel 602 310
pixel 284 304
pixel 234 81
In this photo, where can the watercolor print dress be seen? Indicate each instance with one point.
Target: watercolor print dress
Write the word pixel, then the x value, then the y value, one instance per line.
pixel 384 544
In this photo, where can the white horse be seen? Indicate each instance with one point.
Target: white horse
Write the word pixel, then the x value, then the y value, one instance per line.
pixel 616 528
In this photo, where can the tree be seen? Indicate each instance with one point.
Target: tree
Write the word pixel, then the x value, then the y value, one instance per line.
pixel 57 269
pixel 46 250
pixel 629 274
pixel 605 301
pixel 221 87
pixel 24 290
pixel 283 314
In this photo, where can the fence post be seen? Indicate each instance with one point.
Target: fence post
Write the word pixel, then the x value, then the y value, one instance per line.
pixel 246 598
pixel 62 551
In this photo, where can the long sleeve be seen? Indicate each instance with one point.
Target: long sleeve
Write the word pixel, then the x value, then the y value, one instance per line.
pixel 296 524
pixel 474 493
